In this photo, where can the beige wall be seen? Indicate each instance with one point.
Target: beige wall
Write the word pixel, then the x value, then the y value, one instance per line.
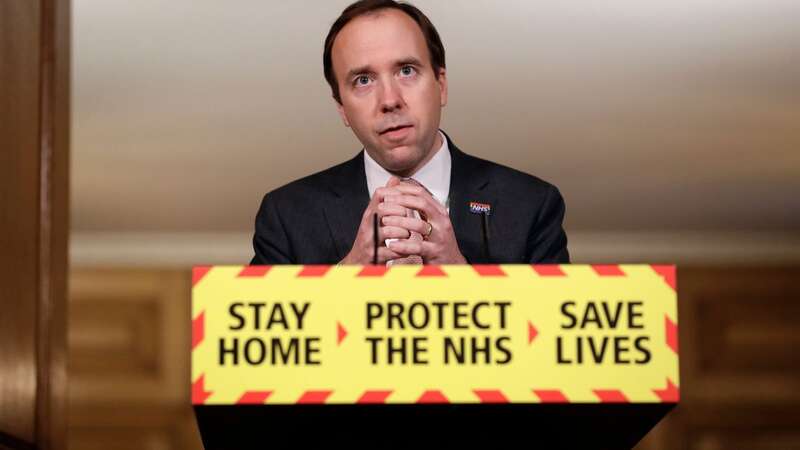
pixel 649 116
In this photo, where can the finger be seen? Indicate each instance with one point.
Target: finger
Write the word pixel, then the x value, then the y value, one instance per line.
pixel 407 223
pixel 425 249
pixel 425 195
pixel 406 247
pixel 391 209
pixel 385 254
pixel 380 194
pixel 393 181
pixel 392 232
pixel 420 191
pixel 421 204
pixel 412 189
pixel 374 202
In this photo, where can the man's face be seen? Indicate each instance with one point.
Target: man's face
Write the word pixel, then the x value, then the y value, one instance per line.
pixel 391 97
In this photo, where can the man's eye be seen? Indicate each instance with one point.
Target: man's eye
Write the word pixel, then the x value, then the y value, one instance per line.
pixel 362 80
pixel 407 71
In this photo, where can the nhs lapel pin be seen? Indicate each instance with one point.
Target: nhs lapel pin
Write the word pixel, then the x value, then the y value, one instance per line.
pixel 480 208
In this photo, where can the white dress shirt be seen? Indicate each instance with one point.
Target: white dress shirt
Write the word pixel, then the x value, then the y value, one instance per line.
pixel 434 175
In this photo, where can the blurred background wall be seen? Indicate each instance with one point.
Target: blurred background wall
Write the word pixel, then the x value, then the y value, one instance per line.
pixel 671 128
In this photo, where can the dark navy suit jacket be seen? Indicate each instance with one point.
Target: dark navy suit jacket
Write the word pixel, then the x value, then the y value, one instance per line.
pixel 314 220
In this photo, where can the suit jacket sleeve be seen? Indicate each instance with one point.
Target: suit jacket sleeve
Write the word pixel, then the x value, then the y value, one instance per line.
pixel 548 241
pixel 270 241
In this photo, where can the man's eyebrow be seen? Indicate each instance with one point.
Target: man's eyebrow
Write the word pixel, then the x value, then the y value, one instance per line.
pixel 410 61
pixel 359 71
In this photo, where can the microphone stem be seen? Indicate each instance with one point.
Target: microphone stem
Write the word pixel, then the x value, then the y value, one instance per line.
pixel 485 232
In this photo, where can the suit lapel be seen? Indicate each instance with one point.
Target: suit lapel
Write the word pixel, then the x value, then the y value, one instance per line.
pixel 350 198
pixel 468 183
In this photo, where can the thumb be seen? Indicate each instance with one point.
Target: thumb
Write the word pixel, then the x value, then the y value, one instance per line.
pixel 393 181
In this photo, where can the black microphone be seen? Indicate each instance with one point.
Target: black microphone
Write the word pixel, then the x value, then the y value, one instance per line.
pixel 485 232
pixel 375 239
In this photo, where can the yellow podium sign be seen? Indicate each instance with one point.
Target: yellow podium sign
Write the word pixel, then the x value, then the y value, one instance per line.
pixel 434 334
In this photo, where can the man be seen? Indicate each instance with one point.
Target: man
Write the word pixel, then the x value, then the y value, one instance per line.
pixel 435 204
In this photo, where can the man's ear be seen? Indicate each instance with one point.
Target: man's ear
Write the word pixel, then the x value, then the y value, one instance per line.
pixel 342 114
pixel 442 78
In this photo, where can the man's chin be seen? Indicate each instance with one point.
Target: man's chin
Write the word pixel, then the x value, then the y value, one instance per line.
pixel 400 160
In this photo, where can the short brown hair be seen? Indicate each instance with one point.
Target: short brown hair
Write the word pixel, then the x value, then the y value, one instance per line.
pixel 363 7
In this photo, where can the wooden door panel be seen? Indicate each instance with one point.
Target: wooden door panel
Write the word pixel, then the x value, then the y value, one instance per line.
pixel 34 193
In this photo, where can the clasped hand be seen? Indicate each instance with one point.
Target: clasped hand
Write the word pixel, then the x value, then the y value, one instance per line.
pixel 392 203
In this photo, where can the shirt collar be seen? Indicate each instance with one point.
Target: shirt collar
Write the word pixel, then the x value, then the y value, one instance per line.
pixel 434 175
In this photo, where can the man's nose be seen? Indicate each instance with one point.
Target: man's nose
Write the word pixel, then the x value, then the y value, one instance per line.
pixel 391 97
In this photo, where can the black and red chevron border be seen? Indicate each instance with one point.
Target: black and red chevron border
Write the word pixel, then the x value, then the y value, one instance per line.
pixel 668 394
pixel 483 270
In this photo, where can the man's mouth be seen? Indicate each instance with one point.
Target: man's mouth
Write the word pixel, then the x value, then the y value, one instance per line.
pixel 394 128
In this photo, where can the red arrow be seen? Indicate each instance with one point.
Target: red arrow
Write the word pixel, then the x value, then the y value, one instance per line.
pixel 532 332
pixel 341 333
